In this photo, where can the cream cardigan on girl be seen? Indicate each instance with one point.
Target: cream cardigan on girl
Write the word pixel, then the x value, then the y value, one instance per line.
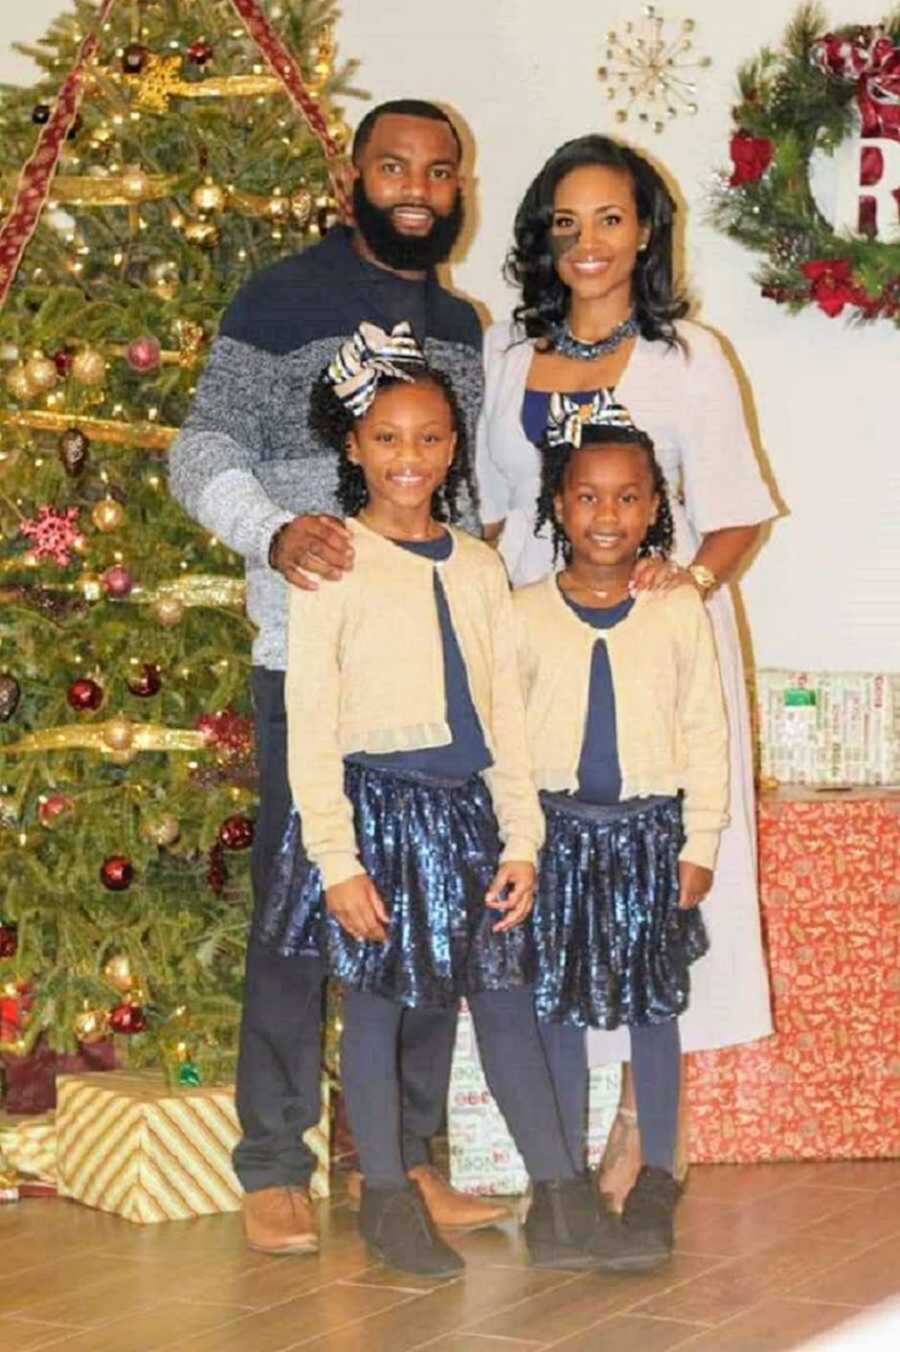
pixel 365 672
pixel 670 717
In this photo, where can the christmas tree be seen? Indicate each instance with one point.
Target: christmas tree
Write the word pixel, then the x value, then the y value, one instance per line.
pixel 170 148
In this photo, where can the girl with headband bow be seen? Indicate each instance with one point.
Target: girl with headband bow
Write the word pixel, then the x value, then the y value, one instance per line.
pixel 413 871
pixel 627 733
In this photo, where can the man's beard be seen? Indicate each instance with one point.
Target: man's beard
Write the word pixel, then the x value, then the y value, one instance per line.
pixel 405 253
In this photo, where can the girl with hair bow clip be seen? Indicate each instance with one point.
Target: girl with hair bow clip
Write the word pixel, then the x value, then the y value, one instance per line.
pixel 628 740
pixel 410 861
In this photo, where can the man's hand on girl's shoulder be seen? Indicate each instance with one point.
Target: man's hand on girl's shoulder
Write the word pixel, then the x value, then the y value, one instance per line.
pixel 311 546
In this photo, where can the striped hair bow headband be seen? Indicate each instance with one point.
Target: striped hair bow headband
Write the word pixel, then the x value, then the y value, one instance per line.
pixel 367 358
pixel 566 418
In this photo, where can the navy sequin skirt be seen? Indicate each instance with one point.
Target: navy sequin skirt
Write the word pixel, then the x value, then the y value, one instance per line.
pixel 432 848
pixel 612 945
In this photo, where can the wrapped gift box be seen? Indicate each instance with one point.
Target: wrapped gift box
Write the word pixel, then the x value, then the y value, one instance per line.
pixel 820 727
pixel 28 1144
pixel 827 1085
pixel 129 1144
pixel 483 1158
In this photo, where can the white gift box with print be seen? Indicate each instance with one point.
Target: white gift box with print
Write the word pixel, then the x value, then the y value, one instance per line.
pixel 483 1158
pixel 829 727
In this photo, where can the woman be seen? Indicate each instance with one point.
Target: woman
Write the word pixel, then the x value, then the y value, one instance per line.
pixel 593 260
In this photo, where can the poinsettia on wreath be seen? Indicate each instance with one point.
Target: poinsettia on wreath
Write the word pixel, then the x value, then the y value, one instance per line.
pixel 814 185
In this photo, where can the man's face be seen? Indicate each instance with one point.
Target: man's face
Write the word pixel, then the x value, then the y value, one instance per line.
pixel 407 196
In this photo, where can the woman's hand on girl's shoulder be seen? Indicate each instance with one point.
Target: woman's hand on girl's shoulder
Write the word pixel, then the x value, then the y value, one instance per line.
pixel 512 891
pixel 357 907
pixel 659 576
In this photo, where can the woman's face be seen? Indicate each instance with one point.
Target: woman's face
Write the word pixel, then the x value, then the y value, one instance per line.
pixel 595 233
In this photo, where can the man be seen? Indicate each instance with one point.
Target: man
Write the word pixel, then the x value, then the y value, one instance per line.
pixel 247 467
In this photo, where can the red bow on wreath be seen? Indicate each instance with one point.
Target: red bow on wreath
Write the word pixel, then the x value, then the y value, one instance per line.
pixel 872 61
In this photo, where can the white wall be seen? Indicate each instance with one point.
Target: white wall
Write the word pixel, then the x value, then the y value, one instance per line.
pixel 825 591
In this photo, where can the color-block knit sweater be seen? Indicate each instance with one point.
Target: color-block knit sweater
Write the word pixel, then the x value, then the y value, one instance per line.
pixel 245 460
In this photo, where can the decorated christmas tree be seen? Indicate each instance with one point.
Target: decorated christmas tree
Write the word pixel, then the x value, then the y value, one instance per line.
pixel 169 148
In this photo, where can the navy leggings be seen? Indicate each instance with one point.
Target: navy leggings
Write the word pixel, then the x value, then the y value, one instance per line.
pixel 514 1065
pixel 656 1068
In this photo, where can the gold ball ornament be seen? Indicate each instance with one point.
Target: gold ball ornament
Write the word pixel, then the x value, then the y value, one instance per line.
pixel 301 204
pixel 164 278
pixel 209 196
pixel 161 831
pixel 169 611
pixel 205 234
pixel 135 183
pixel 119 974
pixel 18 384
pixel 278 207
pixel 90 587
pixel 91 1025
pixel 339 132
pixel 123 757
pixel 119 733
pixel 89 367
pixel 41 372
pixel 107 514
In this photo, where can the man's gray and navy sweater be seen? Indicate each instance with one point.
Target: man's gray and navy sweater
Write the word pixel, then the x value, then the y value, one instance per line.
pixel 245 460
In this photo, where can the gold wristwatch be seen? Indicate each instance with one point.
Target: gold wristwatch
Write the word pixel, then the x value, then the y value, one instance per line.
pixel 704 577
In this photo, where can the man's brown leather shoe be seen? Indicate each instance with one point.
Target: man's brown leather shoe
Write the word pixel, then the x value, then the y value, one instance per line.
pixel 280 1221
pixel 448 1209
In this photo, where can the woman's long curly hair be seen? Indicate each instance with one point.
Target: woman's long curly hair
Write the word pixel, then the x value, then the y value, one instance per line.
pixel 530 265
pixel 330 420
pixel 555 461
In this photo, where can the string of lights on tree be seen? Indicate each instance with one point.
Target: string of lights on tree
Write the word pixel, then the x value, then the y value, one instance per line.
pixel 127 780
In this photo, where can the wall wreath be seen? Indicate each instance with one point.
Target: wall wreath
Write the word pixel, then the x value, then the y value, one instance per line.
pixel 814 185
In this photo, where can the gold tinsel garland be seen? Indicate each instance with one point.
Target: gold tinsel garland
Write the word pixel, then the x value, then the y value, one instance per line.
pixel 81 191
pixel 146 435
pixel 160 81
pixel 196 589
pixel 97 737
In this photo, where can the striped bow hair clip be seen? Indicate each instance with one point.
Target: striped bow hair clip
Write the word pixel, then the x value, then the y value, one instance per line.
pixel 566 418
pixel 367 358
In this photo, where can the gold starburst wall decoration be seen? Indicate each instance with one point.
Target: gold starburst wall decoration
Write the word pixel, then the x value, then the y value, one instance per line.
pixel 651 69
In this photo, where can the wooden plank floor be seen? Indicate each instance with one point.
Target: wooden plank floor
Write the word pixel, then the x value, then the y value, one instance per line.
pixel 768 1256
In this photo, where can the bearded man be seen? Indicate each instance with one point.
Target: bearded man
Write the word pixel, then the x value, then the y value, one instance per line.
pixel 247 467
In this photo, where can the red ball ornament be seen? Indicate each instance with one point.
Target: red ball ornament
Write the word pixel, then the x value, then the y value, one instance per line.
pixel 134 58
pixel 55 806
pixel 84 695
pixel 62 360
pixel 236 832
pixel 148 683
pixel 9 939
pixel 127 1018
pixel 116 872
pixel 117 581
pixel 143 354
pixel 199 52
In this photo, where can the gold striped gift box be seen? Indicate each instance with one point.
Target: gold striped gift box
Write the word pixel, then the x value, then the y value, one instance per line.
pixel 28 1144
pixel 129 1144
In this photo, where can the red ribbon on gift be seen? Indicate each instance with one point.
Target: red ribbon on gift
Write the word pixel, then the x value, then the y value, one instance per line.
pixel 33 187
pixel 871 60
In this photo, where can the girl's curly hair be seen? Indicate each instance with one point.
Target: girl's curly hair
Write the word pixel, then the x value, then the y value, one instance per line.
pixel 530 265
pixel 554 462
pixel 330 420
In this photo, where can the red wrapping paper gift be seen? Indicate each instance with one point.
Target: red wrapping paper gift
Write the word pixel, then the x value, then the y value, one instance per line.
pixel 827 1085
